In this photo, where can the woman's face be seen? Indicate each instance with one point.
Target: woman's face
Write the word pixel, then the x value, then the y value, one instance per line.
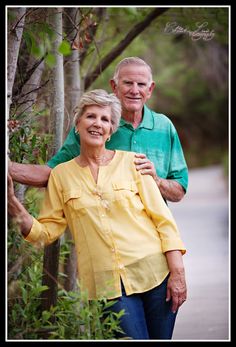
pixel 94 126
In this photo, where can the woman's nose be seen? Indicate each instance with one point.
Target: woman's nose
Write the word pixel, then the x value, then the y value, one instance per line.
pixel 97 122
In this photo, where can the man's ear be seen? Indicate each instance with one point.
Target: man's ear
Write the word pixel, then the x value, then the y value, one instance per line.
pixel 150 89
pixel 113 85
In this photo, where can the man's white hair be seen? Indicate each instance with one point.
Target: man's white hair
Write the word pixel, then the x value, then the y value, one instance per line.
pixel 131 61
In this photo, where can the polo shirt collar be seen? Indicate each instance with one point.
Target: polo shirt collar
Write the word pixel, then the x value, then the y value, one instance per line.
pixel 147 122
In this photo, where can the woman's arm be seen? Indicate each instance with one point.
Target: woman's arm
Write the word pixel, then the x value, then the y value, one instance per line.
pixel 172 245
pixel 51 222
pixel 17 210
pixel 176 287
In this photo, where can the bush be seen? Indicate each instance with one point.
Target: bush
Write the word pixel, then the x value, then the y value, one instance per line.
pixel 73 318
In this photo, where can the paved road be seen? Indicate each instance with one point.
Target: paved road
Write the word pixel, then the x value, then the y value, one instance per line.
pixel 202 217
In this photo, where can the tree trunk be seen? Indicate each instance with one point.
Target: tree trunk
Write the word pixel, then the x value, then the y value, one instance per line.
pixel 29 91
pixel 72 96
pixel 71 68
pixel 57 111
pixel 16 20
pixel 15 28
pixel 51 252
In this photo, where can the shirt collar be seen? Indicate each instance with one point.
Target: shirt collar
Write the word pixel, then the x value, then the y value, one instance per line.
pixel 147 121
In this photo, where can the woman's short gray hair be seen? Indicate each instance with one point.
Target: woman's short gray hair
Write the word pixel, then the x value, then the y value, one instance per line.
pixel 131 61
pixel 101 98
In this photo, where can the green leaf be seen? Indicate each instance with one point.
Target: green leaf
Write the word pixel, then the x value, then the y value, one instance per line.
pixel 46 315
pixel 64 48
pixel 28 40
pixel 33 141
pixel 50 60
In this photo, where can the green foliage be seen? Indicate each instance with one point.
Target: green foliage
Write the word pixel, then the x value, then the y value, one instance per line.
pixel 17 248
pixel 24 307
pixel 33 199
pixel 50 60
pixel 74 317
pixel 39 37
pixel 64 48
pixel 25 144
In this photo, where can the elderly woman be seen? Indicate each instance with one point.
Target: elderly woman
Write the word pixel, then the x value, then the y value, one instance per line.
pixel 128 245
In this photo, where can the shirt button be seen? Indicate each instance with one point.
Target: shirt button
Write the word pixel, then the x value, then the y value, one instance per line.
pixel 121 266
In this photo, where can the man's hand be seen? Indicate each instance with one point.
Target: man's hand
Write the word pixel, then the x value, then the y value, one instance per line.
pixel 145 166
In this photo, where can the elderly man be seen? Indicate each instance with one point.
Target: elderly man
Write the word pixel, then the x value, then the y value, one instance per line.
pixel 150 134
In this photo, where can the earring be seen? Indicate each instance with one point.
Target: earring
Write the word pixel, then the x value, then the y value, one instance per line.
pixel 108 139
pixel 77 131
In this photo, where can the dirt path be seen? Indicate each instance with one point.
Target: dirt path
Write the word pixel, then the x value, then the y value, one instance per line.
pixel 202 217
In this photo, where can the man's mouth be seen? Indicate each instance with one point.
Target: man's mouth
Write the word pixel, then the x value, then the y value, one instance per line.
pixel 133 99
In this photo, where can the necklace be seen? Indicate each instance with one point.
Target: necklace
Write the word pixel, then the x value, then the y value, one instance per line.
pixel 101 159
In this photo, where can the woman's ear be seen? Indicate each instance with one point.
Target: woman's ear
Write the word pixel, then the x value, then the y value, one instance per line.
pixel 111 130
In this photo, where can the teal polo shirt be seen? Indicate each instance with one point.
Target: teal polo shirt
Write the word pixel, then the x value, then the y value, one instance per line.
pixel 155 136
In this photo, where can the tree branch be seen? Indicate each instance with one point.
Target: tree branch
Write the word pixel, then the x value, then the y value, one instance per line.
pixel 116 51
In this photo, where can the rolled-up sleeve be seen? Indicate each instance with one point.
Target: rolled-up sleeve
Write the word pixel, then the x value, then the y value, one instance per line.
pixel 160 213
pixel 51 223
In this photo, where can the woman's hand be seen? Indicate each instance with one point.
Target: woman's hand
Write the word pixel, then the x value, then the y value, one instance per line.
pixel 176 290
pixel 176 285
pixel 10 188
pixel 17 210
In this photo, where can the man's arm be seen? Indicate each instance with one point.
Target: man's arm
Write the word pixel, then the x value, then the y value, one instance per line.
pixel 171 190
pixel 29 174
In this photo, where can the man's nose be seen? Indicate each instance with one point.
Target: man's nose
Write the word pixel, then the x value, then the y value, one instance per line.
pixel 134 88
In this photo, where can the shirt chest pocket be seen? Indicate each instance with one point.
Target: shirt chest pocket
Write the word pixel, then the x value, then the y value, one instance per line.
pixel 125 192
pixel 73 200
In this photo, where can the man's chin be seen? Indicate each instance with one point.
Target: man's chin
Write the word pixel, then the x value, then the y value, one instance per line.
pixel 134 107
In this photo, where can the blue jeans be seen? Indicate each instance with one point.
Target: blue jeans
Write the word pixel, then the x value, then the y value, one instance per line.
pixel 147 315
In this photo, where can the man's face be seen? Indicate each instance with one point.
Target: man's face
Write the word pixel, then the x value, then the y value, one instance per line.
pixel 133 88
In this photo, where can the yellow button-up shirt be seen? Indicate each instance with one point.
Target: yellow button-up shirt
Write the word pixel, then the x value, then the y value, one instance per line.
pixel 121 225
